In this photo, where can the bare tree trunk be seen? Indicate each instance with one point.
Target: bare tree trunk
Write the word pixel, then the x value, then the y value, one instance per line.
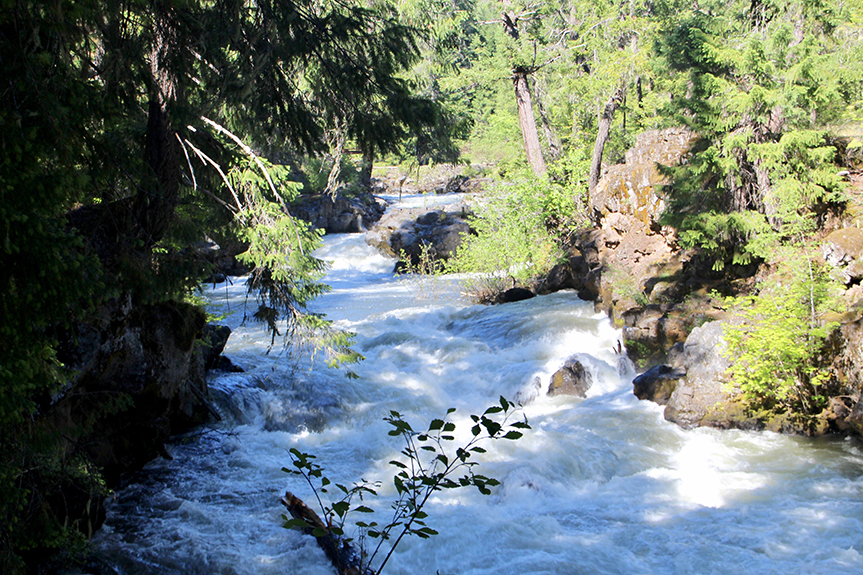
pixel 527 123
pixel 337 143
pixel 345 559
pixel 550 137
pixel 602 133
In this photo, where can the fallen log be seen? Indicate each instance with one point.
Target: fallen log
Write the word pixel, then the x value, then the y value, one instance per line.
pixel 346 559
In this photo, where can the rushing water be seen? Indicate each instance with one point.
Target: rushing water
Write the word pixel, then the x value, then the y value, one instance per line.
pixel 598 485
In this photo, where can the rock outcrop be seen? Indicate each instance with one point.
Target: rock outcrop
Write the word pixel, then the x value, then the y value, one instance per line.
pixel 341 214
pixel 630 189
pixel 423 236
pixel 138 378
pixel 693 387
pixel 843 249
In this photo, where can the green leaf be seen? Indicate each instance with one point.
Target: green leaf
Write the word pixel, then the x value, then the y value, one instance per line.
pixel 295 523
pixel 341 508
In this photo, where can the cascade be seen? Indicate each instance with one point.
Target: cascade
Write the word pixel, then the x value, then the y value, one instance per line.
pixel 598 485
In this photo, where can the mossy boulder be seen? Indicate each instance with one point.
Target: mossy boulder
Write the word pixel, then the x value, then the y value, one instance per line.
pixel 843 249
pixel 632 188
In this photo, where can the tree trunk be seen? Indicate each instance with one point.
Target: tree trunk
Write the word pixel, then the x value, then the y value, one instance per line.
pixel 550 137
pixel 366 166
pixel 344 558
pixel 527 123
pixel 602 133
pixel 154 204
pixel 337 144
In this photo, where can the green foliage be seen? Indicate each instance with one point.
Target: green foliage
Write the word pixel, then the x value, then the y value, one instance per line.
pixel 513 241
pixel 776 343
pixel 759 84
pixel 422 277
pixel 110 173
pixel 315 171
pixel 431 461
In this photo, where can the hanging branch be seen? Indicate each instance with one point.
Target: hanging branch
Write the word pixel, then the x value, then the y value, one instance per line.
pixel 208 160
pixel 254 157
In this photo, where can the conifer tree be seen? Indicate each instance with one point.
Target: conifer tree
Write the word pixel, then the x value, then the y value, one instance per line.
pixel 130 130
pixel 761 83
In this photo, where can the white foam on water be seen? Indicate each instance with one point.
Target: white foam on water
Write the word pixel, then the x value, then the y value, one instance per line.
pixel 598 485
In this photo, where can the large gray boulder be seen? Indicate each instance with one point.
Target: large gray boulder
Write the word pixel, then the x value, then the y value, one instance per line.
pixel 423 235
pixel 700 399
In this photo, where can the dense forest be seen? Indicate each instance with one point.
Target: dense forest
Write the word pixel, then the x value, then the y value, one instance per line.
pixel 133 131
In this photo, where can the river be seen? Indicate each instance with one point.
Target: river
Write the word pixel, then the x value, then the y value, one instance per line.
pixel 602 485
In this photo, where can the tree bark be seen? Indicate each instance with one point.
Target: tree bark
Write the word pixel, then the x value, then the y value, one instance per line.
pixel 550 137
pixel 337 145
pixel 156 201
pixel 344 558
pixel 602 133
pixel 527 123
pixel 366 166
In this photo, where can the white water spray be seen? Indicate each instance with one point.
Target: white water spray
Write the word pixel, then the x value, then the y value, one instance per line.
pixel 601 485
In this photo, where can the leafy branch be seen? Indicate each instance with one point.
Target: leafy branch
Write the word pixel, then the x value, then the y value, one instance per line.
pixel 430 462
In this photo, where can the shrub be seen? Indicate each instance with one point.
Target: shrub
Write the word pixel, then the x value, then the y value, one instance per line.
pixel 775 347
pixel 517 237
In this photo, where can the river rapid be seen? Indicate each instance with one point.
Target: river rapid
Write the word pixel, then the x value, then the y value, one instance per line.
pixel 602 485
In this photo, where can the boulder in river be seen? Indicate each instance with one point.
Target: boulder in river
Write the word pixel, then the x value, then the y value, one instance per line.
pixel 515 294
pixel 700 398
pixel 657 383
pixel 571 379
pixel 340 214
pixel 423 235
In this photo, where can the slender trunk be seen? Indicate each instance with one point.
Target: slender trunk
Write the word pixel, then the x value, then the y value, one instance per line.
pixel 550 137
pixel 602 137
pixel 337 143
pixel 527 123
pixel 367 165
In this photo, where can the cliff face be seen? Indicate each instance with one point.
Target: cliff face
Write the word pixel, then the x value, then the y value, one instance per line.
pixel 138 377
pixel 630 189
pixel 665 300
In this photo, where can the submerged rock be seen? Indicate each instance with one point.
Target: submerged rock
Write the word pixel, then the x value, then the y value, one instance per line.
pixel 657 383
